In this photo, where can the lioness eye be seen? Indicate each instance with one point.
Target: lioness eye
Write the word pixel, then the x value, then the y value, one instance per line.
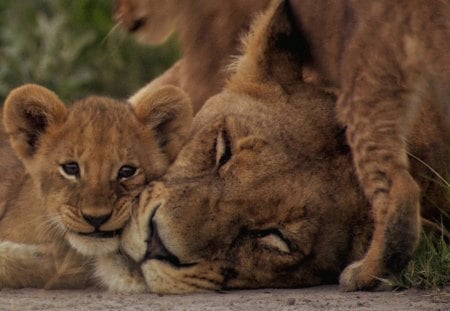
pixel 71 169
pixel 126 171
pixel 223 149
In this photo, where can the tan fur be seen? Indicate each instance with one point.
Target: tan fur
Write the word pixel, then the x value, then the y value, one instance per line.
pixel 209 33
pixel 389 58
pixel 264 193
pixel 52 219
pixel 10 165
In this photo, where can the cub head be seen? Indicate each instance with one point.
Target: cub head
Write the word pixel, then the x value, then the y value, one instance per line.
pixel 152 21
pixel 90 161
pixel 254 198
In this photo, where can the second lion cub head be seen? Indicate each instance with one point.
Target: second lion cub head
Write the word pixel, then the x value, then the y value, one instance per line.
pixel 87 163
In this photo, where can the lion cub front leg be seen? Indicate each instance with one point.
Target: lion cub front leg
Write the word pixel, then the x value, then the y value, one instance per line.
pixel 376 132
pixel 42 266
pixel 24 265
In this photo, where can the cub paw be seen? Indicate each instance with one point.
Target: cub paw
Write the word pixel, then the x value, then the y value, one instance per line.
pixel 357 276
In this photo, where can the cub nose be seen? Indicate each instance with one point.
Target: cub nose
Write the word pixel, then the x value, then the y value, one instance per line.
pixel 97 221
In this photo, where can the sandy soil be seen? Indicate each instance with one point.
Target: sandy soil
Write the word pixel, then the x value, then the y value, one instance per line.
pixel 317 298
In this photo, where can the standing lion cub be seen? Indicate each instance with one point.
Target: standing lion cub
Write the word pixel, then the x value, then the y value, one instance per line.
pixel 80 170
pixel 209 33
pixel 389 59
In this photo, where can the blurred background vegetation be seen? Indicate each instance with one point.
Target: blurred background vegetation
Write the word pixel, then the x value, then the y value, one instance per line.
pixel 70 47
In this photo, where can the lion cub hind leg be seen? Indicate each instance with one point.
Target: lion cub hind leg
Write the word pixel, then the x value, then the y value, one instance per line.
pixel 376 132
pixel 394 240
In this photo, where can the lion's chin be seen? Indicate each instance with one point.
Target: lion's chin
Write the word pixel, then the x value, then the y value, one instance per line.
pixel 93 246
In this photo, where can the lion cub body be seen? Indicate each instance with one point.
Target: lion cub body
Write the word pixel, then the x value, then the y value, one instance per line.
pixel 209 33
pixel 72 176
pixel 389 59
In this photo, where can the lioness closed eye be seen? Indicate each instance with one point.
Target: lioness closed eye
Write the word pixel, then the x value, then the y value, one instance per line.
pixel 77 172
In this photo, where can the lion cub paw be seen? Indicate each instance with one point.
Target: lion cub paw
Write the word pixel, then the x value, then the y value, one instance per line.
pixel 119 274
pixel 358 276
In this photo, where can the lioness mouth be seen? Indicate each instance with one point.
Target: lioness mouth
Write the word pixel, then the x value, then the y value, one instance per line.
pixel 102 234
pixel 157 250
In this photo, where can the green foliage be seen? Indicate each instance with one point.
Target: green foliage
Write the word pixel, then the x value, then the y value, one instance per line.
pixel 68 46
pixel 430 267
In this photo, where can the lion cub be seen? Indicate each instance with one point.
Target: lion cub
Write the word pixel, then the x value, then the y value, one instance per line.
pixel 67 191
pixel 208 32
pixel 388 59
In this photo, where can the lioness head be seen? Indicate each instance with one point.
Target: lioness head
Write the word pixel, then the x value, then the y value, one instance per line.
pixel 152 21
pixel 89 162
pixel 250 203
pixel 264 193
pixel 254 198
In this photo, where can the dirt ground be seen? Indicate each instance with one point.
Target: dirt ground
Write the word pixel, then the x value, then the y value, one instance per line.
pixel 316 298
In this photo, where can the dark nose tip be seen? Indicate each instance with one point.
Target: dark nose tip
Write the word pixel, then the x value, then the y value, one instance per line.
pixel 97 221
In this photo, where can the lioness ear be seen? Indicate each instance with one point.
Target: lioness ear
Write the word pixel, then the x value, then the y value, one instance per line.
pixel 28 112
pixel 168 111
pixel 274 47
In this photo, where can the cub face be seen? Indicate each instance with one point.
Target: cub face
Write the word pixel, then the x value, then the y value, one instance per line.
pixel 89 162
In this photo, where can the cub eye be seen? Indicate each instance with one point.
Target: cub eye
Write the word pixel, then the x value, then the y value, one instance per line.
pixel 70 169
pixel 126 171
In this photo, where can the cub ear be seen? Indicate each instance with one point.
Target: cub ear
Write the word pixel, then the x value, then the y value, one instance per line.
pixel 29 111
pixel 168 111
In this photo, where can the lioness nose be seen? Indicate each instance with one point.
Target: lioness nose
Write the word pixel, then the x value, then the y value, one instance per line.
pixel 97 221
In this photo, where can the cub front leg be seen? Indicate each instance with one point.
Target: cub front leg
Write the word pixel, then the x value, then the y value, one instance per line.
pixel 377 126
pixel 23 265
pixel 41 266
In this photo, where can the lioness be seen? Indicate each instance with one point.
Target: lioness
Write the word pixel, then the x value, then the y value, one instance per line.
pixel 68 189
pixel 209 33
pixel 264 193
